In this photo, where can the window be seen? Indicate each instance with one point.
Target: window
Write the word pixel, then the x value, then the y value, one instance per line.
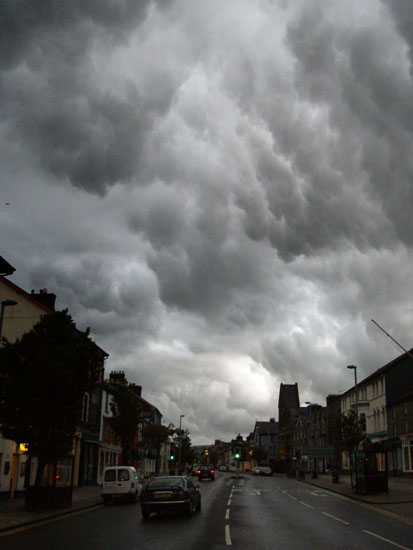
pixel 123 475
pixel 363 421
pixel 85 408
pixel 110 475
pixel 408 456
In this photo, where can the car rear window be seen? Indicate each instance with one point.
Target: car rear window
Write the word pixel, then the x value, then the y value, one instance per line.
pixel 166 482
pixel 110 475
pixel 123 475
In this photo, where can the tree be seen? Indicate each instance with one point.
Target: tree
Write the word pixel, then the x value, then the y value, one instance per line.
pixel 43 378
pixel 154 436
pixel 126 410
pixel 187 452
pixel 347 432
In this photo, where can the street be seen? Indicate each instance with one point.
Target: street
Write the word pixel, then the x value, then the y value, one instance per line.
pixel 247 513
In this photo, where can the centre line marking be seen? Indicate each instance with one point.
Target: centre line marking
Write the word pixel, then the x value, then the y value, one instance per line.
pixel 229 502
pixel 305 504
pixel 337 519
pixel 227 514
pixel 291 496
pixel 386 540
pixel 227 536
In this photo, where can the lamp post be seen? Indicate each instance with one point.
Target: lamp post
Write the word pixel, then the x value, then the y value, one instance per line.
pixel 180 442
pixel 353 367
pixel 4 304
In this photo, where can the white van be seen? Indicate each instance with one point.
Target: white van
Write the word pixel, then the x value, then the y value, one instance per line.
pixel 120 482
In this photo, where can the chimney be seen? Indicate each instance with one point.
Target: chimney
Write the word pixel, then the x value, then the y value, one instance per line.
pixel 45 298
pixel 118 377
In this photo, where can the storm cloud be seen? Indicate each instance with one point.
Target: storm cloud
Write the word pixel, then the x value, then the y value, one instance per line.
pixel 221 191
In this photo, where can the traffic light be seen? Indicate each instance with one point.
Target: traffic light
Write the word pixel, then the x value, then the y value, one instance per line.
pixel 206 452
pixel 172 457
pixel 237 453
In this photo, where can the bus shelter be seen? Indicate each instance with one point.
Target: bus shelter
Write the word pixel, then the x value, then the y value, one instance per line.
pixel 369 473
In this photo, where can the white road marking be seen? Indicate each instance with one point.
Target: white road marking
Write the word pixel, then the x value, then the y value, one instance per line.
pixel 229 502
pixel 305 504
pixel 291 496
pixel 318 494
pixel 386 540
pixel 227 514
pixel 227 536
pixel 337 519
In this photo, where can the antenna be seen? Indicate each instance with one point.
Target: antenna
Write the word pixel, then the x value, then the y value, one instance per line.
pixel 391 338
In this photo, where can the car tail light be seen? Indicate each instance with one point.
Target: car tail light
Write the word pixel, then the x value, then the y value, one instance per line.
pixel 198 472
pixel 212 471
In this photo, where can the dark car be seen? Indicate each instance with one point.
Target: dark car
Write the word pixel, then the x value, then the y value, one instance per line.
pixel 170 494
pixel 206 472
pixel 262 471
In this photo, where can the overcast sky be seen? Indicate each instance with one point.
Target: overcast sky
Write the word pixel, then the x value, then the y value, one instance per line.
pixel 222 190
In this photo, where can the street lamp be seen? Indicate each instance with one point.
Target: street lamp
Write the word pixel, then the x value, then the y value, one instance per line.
pixel 353 367
pixel 179 448
pixel 4 304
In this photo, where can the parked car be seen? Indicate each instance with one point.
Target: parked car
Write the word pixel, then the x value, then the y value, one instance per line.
pixel 206 472
pixel 262 471
pixel 195 469
pixel 223 468
pixel 170 494
pixel 120 482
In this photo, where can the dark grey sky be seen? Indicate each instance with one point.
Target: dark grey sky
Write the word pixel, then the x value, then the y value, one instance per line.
pixel 222 191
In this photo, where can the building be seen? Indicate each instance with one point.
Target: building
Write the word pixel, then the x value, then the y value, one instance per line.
pixel 288 412
pixel 266 440
pixel 16 320
pixel 17 471
pixel 384 404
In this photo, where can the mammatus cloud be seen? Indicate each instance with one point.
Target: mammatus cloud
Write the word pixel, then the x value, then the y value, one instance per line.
pixel 220 192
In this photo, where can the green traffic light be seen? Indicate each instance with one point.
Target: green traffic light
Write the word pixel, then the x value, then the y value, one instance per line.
pixel 171 457
pixel 237 455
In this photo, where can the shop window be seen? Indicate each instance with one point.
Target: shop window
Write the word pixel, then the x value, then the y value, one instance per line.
pixel 407 456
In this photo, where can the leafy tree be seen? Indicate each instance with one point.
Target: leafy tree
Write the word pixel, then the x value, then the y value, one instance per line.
pixel 187 452
pixel 154 436
pixel 126 409
pixel 43 378
pixel 346 432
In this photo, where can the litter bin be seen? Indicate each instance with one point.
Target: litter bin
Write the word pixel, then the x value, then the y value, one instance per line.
pixel 335 476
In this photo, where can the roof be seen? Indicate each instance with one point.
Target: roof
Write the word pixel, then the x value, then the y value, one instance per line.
pixel 5 267
pixel 266 427
pixel 31 298
pixel 381 370
pixel 25 294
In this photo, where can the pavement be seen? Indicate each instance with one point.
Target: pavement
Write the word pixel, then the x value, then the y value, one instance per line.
pixel 398 502
pixel 14 515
